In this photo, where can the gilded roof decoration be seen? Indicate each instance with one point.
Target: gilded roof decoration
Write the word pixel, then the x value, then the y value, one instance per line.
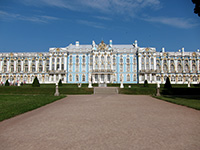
pixel 102 46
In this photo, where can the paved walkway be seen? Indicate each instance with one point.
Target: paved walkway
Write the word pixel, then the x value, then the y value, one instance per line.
pixel 104 122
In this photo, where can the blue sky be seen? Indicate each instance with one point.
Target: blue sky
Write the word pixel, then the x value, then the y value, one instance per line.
pixel 37 25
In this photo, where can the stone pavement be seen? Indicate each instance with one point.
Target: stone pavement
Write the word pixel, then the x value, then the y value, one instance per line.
pixel 104 122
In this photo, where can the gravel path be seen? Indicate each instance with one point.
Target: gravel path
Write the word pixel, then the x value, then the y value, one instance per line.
pixel 104 122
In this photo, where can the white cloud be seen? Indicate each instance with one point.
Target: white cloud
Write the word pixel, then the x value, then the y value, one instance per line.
pixel 39 19
pixel 91 24
pixel 129 7
pixel 173 21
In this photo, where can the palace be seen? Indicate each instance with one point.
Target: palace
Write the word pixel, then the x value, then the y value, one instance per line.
pixel 101 63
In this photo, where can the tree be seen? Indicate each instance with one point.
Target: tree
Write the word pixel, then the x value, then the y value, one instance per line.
pixel 197 7
pixel 167 84
pixel 7 83
pixel 146 83
pixel 60 83
pixel 36 82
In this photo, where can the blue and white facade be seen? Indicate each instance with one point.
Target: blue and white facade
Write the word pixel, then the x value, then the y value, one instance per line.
pixel 101 63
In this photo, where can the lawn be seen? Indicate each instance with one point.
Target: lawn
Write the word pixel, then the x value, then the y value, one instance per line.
pixel 12 105
pixel 192 101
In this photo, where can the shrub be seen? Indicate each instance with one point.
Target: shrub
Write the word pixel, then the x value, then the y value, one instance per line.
pixel 7 83
pixel 146 83
pixel 167 84
pixel 36 82
pixel 60 83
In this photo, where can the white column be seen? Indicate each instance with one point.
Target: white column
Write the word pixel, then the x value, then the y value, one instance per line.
pixel 60 63
pixel 169 64
pixel 161 65
pixel 198 65
pixel 0 66
pixel 29 65
pixel 139 61
pixel 36 65
pixel 50 63
pixel 65 63
pixel 15 66
pixel 175 62
pixel 44 64
pixel 22 65
pixel 8 64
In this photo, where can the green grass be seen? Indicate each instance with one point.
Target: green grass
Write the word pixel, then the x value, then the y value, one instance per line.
pixel 12 105
pixel 192 101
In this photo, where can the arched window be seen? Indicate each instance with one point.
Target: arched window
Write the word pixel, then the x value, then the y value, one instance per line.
pixel 19 68
pixel 134 77
pixel 179 68
pixel 127 60
pixel 158 67
pixel 186 68
pixel 53 60
pixel 142 66
pixel 96 59
pixel 193 61
pixel 173 78
pixel 158 78
pixel 26 68
pixel 180 78
pixel 33 68
pixel 40 68
pixel 58 60
pixel 194 68
pixel 91 58
pixel 108 67
pixel 172 68
pixel 165 68
pixel 12 68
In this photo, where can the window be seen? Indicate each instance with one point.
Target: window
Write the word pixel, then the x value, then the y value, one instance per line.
pixel 26 68
pixel 194 78
pixel 158 78
pixel 127 60
pixel 179 61
pixel 83 78
pixel 121 59
pixel 70 77
pixel 33 68
pixel 172 68
pixel 77 59
pixel 53 67
pixel 57 66
pixel 134 77
pixel 186 68
pixel 62 66
pixel 158 61
pixel 84 59
pixel 12 68
pixel 128 67
pixel 70 59
pixel 173 78
pixel 40 61
pixel 19 68
pixel 179 68
pixel 83 67
pixel 77 68
pixel 193 61
pixel 142 66
pixel 165 68
pixel 91 58
pixel 40 68
pixel 158 67
pixel 179 78
pixel 77 78
pixel 53 60
pixel 128 77
pixel 114 59
pixel 96 77
pixel 193 67
pixel 96 59
pixel 47 68
pixel 121 68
